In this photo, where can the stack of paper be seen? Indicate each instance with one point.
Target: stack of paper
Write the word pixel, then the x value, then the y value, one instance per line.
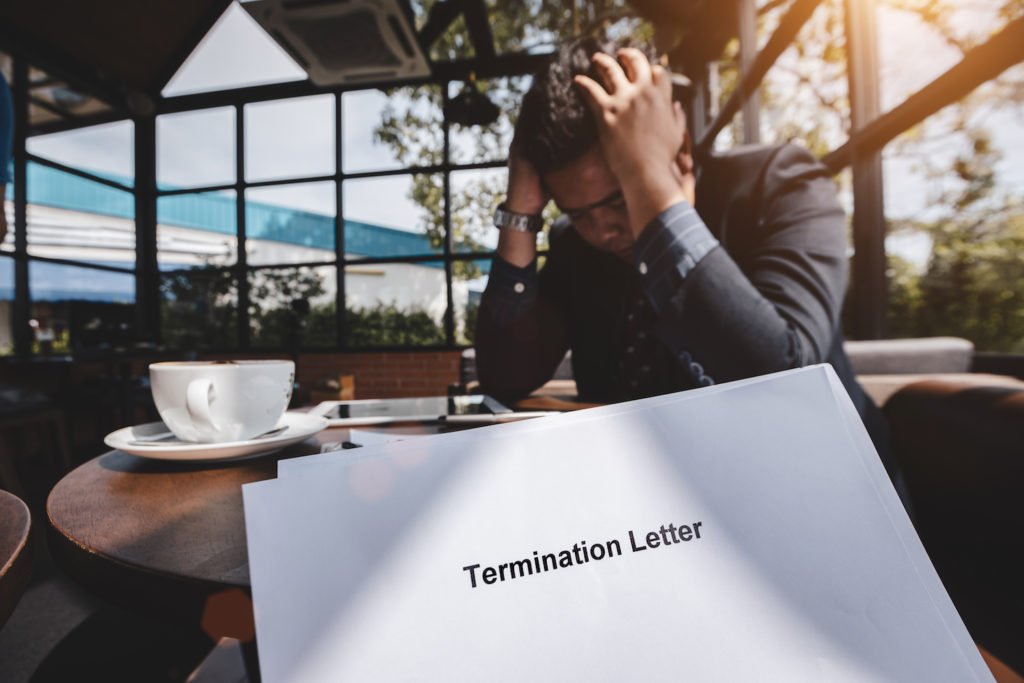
pixel 744 532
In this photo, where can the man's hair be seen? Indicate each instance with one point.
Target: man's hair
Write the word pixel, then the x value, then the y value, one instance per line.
pixel 555 125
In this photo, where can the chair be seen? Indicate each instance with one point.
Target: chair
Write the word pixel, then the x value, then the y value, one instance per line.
pixel 21 412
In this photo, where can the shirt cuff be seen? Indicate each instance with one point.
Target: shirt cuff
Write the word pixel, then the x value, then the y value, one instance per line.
pixel 668 249
pixel 511 290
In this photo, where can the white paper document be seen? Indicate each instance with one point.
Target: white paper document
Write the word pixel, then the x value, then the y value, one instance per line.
pixel 744 532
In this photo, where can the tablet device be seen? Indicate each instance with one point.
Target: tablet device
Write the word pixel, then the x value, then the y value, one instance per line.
pixel 474 409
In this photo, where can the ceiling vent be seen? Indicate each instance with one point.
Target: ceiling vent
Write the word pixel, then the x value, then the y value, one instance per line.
pixel 341 42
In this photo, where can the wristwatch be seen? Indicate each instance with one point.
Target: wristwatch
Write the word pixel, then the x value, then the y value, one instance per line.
pixel 520 222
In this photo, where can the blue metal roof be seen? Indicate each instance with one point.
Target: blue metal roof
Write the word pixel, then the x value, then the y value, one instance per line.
pixel 215 212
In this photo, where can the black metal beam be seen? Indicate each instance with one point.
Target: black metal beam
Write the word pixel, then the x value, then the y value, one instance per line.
pixel 868 289
pixel 147 270
pixel 797 15
pixel 747 14
pixel 441 16
pixel 979 65
pixel 479 27
pixel 22 309
pixel 449 312
pixel 50 107
pixel 59 65
pixel 71 170
pixel 340 317
pixel 241 256
pixel 502 65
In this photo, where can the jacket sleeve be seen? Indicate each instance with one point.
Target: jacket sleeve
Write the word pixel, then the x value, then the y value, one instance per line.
pixel 522 332
pixel 775 303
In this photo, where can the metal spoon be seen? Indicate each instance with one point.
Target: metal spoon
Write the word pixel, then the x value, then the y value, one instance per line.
pixel 163 439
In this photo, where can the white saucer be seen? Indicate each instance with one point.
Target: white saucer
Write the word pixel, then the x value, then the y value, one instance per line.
pixel 297 427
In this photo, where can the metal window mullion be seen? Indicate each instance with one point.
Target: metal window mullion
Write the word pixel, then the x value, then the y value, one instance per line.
pixel 868 281
pixel 22 309
pixel 748 51
pixel 241 258
pixel 449 313
pixel 339 230
pixel 147 271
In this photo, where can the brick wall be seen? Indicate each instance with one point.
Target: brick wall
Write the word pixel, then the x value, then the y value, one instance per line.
pixel 378 374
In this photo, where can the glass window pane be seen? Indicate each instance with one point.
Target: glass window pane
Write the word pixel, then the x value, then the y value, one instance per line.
pixel 469 279
pixel 73 218
pixel 397 128
pixel 237 52
pixel 197 230
pixel 804 97
pixel 290 223
pixel 940 33
pixel 475 144
pixel 292 308
pixel 199 309
pixel 394 216
pixel 107 150
pixel 289 138
pixel 6 305
pixel 955 222
pixel 196 148
pixel 80 308
pixel 395 304
pixel 475 195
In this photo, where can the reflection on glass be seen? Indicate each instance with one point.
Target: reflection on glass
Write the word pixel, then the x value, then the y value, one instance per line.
pixel 199 309
pixel 289 138
pixel 395 304
pixel 80 308
pixel 195 148
pixel 290 223
pixel 469 279
pixel 475 144
pixel 6 305
pixel 475 195
pixel 955 219
pixel 394 129
pixel 73 218
pixel 293 308
pixel 394 216
pixel 195 230
pixel 106 150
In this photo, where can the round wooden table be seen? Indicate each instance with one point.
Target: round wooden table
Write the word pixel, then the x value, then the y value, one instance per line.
pixel 15 557
pixel 167 539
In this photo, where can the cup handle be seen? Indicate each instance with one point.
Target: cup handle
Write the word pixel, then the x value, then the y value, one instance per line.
pixel 197 402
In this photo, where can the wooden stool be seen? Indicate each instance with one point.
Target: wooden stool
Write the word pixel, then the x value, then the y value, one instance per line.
pixel 15 560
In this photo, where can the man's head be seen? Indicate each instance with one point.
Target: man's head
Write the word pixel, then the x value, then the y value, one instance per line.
pixel 556 133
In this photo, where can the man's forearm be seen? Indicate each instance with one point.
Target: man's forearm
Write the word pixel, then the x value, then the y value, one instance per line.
pixel 517 248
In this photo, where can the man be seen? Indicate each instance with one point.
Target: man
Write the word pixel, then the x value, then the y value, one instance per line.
pixel 671 277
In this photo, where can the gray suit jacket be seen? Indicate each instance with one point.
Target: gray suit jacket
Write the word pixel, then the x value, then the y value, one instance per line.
pixel 768 299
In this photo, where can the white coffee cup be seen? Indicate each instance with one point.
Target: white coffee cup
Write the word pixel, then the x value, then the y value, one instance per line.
pixel 218 401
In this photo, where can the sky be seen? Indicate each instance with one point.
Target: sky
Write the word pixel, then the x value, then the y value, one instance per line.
pixel 295 137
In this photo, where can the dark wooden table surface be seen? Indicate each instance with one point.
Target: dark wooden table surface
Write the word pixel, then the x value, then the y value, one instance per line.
pixel 15 557
pixel 166 538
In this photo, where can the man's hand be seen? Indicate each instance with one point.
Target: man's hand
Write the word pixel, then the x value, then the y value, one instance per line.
pixel 526 194
pixel 641 131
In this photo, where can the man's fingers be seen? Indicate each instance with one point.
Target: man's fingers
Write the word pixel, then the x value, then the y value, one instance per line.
pixel 593 93
pixel 611 72
pixel 662 79
pixel 638 69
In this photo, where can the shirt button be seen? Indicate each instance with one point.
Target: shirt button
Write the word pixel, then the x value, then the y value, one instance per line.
pixel 643 268
pixel 641 336
pixel 629 349
pixel 519 288
pixel 645 368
